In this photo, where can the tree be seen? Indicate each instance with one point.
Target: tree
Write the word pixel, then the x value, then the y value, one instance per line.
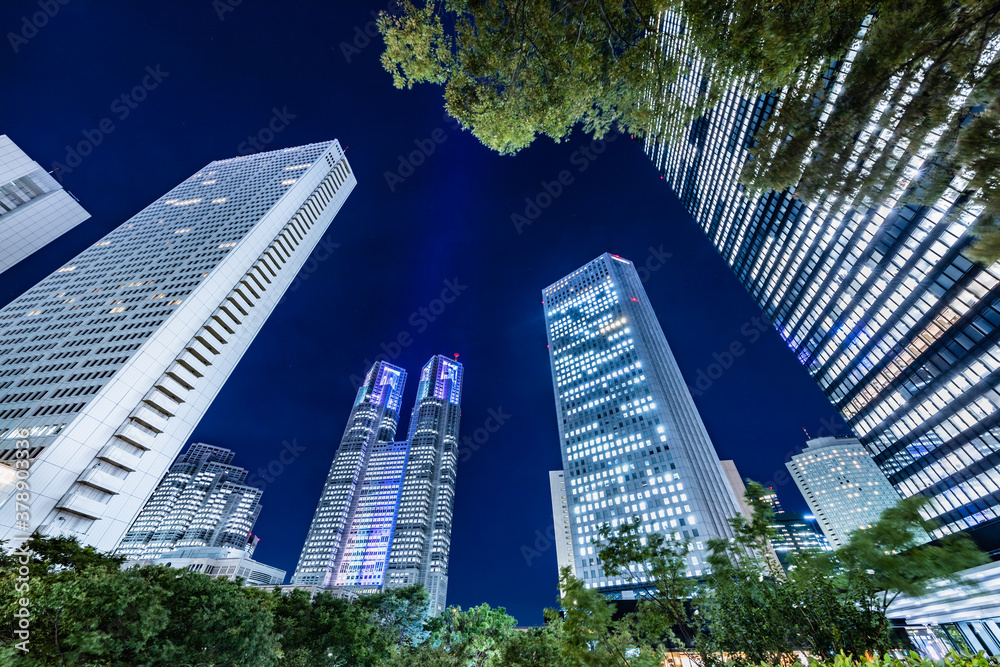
pixel 85 610
pixel 915 91
pixel 748 613
pixel 515 70
pixel 332 630
pixel 588 634
pixel 536 647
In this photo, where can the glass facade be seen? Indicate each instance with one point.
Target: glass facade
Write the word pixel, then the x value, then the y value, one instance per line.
pixel 384 518
pixel 632 441
pixel 422 542
pixel 350 533
pixel 796 532
pixel 896 325
pixel 202 501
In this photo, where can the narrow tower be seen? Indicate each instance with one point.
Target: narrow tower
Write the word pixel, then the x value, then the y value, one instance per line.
pixel 348 541
pixel 423 530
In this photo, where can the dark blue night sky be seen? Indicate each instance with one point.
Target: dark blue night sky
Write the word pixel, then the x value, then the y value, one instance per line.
pixel 401 240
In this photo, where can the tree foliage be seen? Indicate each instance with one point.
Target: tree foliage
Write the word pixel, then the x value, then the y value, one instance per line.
pixel 922 87
pixel 514 70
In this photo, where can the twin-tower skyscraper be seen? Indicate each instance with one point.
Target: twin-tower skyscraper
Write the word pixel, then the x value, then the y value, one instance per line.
pixel 384 517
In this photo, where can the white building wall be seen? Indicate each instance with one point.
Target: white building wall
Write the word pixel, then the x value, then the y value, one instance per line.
pixel 182 359
pixel 33 224
pixel 560 520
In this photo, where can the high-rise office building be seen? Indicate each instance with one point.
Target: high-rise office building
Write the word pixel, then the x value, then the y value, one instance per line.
pixel 34 208
pixel 843 487
pixel 739 491
pixel 561 525
pixel 115 357
pixel 796 532
pixel 895 324
pixel 351 533
pixel 202 501
pixel 422 541
pixel 632 441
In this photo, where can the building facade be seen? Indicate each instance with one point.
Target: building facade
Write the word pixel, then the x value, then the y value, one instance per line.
pixel 114 358
pixel 632 441
pixel 216 562
pixel 878 302
pixel 561 525
pixel 351 533
pixel 202 501
pixel 34 208
pixel 796 532
pixel 422 542
pixel 843 487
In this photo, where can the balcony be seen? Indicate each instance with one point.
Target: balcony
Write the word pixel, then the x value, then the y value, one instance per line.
pixel 161 401
pixel 112 453
pixel 150 418
pixel 99 479
pixel 136 434
pixel 172 387
pixel 191 362
pixel 77 504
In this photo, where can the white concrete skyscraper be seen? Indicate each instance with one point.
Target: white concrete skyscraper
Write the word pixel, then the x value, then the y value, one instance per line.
pixel 633 443
pixel 351 533
pixel 34 208
pixel 422 541
pixel 842 485
pixel 116 356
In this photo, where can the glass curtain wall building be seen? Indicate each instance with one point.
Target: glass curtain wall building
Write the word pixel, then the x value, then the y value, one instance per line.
pixel 633 444
pixel 115 356
pixel 202 501
pixel 422 543
pixel 895 324
pixel 351 532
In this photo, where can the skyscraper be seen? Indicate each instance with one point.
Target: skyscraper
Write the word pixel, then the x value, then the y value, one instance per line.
pixel 895 324
pixel 34 208
pixel 633 443
pixel 795 533
pixel 422 541
pixel 842 485
pixel 115 357
pixel 351 533
pixel 202 501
